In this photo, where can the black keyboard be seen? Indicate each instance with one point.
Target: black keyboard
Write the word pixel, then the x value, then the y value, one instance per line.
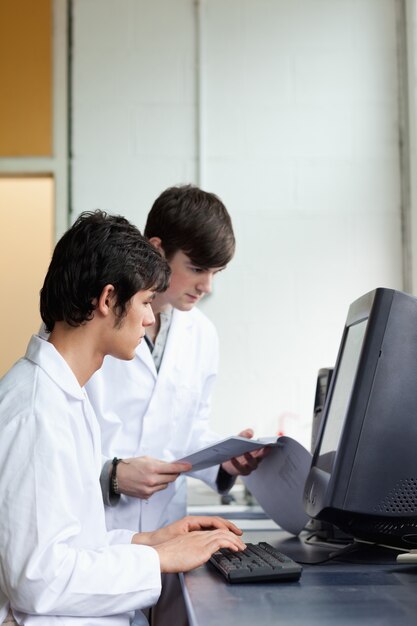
pixel 259 562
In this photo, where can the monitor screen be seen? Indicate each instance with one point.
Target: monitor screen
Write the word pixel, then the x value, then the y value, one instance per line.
pixel 336 411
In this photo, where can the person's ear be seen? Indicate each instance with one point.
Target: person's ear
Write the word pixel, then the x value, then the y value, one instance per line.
pixel 105 301
pixel 157 243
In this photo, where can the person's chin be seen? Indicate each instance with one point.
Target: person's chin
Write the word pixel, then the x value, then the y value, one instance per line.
pixel 128 356
pixel 123 356
pixel 185 306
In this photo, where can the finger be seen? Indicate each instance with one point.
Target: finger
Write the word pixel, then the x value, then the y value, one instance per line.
pixel 218 523
pixel 261 452
pixel 228 524
pixel 226 540
pixel 251 460
pixel 248 433
pixel 161 479
pixel 176 468
pixel 204 522
pixel 149 491
pixel 242 468
pixel 246 459
pixel 216 539
pixel 158 481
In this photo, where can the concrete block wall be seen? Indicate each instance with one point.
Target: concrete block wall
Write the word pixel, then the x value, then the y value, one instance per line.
pixel 297 114
pixel 133 102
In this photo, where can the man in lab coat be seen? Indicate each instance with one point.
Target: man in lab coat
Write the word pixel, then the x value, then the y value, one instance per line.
pixel 156 408
pixel 59 563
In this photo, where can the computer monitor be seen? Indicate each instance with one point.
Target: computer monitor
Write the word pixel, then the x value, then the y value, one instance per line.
pixel 363 476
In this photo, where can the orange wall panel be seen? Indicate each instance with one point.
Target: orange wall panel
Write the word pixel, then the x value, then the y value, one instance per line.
pixel 26 242
pixel 25 78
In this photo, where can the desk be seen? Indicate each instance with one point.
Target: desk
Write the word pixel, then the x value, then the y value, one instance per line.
pixel 368 588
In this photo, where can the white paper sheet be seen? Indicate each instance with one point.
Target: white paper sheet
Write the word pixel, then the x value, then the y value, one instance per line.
pixel 278 484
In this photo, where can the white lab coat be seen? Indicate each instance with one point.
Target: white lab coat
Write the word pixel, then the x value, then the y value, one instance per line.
pixel 58 561
pixel 164 415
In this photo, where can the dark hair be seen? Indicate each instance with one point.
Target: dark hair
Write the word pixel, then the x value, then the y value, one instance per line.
pixel 192 220
pixel 99 249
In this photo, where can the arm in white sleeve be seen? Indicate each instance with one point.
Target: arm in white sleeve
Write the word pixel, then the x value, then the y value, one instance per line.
pixel 57 557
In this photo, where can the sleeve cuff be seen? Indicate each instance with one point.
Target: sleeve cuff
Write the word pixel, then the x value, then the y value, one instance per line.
pixel 224 481
pixel 109 499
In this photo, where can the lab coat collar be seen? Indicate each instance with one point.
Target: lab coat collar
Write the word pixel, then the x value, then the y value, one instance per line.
pixel 46 356
pixel 177 343
pixel 181 321
pixel 144 354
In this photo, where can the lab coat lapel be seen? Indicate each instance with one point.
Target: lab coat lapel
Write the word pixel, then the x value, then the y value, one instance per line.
pixel 175 349
pixel 161 408
pixel 176 346
pixel 145 356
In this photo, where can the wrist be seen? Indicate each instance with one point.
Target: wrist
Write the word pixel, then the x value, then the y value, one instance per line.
pixel 142 539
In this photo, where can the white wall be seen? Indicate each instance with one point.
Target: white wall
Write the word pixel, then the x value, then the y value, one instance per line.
pixel 411 12
pixel 299 136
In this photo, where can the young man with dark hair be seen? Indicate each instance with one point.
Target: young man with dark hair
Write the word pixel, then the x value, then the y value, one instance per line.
pixel 194 221
pixel 59 563
pixel 163 410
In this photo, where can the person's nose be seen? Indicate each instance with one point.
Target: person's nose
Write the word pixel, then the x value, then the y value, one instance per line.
pixel 148 318
pixel 205 284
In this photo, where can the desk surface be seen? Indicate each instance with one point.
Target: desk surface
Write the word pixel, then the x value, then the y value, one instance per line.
pixel 367 587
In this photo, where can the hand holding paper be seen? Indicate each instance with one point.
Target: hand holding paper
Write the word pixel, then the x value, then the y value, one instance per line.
pixel 278 482
pixel 245 464
pixel 224 450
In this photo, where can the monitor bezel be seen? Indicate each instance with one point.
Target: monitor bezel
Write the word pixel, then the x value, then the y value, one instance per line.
pixel 360 310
